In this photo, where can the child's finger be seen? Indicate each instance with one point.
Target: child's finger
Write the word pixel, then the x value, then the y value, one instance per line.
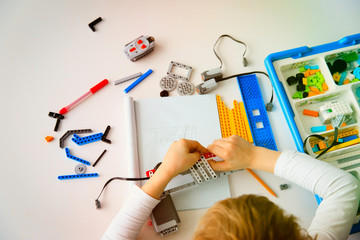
pixel 220 166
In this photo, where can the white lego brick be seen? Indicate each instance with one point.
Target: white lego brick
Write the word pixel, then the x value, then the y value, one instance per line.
pixel 195 175
pixel 208 167
pixel 330 110
pixel 202 171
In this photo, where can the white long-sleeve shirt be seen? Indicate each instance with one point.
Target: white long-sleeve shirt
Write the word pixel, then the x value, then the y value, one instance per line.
pixel 333 218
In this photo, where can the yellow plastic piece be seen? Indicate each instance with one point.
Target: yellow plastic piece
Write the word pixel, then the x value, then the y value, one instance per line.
pixel 336 76
pixel 342 145
pixel 304 81
pixel 233 121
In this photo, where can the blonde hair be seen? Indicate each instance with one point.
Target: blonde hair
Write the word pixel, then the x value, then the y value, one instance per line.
pixel 248 217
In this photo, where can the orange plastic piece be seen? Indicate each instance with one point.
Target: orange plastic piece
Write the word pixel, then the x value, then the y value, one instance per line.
pixel 310 113
pixel 325 86
pixel 307 73
pixel 322 145
pixel 234 121
pixel 311 93
pixel 329 127
pixel 49 138
pixel 314 89
pixel 346 81
pixel 312 72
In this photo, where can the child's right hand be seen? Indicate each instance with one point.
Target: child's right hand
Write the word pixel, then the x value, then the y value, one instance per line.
pixel 237 153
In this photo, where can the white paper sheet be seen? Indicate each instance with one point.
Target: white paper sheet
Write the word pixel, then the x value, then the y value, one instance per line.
pixel 160 121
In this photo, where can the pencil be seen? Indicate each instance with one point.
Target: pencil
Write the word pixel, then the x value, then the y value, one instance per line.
pixel 261 182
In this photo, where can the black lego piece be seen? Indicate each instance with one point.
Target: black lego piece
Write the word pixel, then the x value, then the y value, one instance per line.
pixel 164 93
pixel 58 117
pixel 339 65
pixel 300 87
pixel 103 137
pixel 305 94
pixel 93 23
pixel 300 76
pixel 62 139
pixel 98 159
pixel 291 80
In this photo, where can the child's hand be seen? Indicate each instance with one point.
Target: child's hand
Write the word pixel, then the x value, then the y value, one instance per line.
pixel 181 156
pixel 235 151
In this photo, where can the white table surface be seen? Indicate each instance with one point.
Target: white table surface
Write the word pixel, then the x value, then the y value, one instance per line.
pixel 49 57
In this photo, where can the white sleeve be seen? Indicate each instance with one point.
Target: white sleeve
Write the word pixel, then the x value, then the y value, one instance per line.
pixel 340 192
pixel 128 222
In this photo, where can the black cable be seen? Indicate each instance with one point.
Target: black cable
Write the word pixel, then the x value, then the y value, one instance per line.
pixel 334 143
pixel 226 35
pixel 269 105
pixel 97 202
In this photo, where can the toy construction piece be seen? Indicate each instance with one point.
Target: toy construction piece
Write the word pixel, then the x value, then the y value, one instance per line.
pixel 76 158
pixel 252 98
pixel 85 140
pixel 208 167
pixel 68 133
pixel 67 177
pixel 202 171
pixel 168 83
pixel 234 121
pixel 80 169
pixel 185 88
pixel 195 175
pixel 182 66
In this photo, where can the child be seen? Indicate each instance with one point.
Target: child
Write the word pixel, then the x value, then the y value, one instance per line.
pixel 249 216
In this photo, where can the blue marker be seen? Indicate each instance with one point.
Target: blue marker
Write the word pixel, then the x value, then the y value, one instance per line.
pixel 142 77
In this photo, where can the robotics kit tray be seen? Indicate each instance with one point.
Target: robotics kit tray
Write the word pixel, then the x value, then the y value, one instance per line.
pixel 319 88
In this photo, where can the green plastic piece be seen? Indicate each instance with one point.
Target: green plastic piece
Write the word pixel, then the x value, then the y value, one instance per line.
pixel 297 95
pixel 350 57
pixel 307 89
pixel 302 69
pixel 355 80
pixel 319 86
pixel 311 81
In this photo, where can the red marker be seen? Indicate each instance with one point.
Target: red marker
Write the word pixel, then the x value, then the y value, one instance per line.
pixel 93 90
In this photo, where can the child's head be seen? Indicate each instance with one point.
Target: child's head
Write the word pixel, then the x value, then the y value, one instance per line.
pixel 248 217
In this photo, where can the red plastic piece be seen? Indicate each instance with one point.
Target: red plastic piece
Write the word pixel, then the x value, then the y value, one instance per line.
pixel 98 86
pixel 209 155
pixel 132 49
pixel 143 46
pixel 150 173
pixel 139 41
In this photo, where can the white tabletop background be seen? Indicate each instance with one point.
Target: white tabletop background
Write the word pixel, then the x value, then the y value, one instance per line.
pixel 49 57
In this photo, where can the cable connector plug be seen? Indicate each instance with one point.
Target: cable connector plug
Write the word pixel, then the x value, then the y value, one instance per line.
pixel 215 73
pixel 269 106
pixel 245 62
pixel 97 204
pixel 206 87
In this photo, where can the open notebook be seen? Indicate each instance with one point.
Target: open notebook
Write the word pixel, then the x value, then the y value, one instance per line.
pixel 153 124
